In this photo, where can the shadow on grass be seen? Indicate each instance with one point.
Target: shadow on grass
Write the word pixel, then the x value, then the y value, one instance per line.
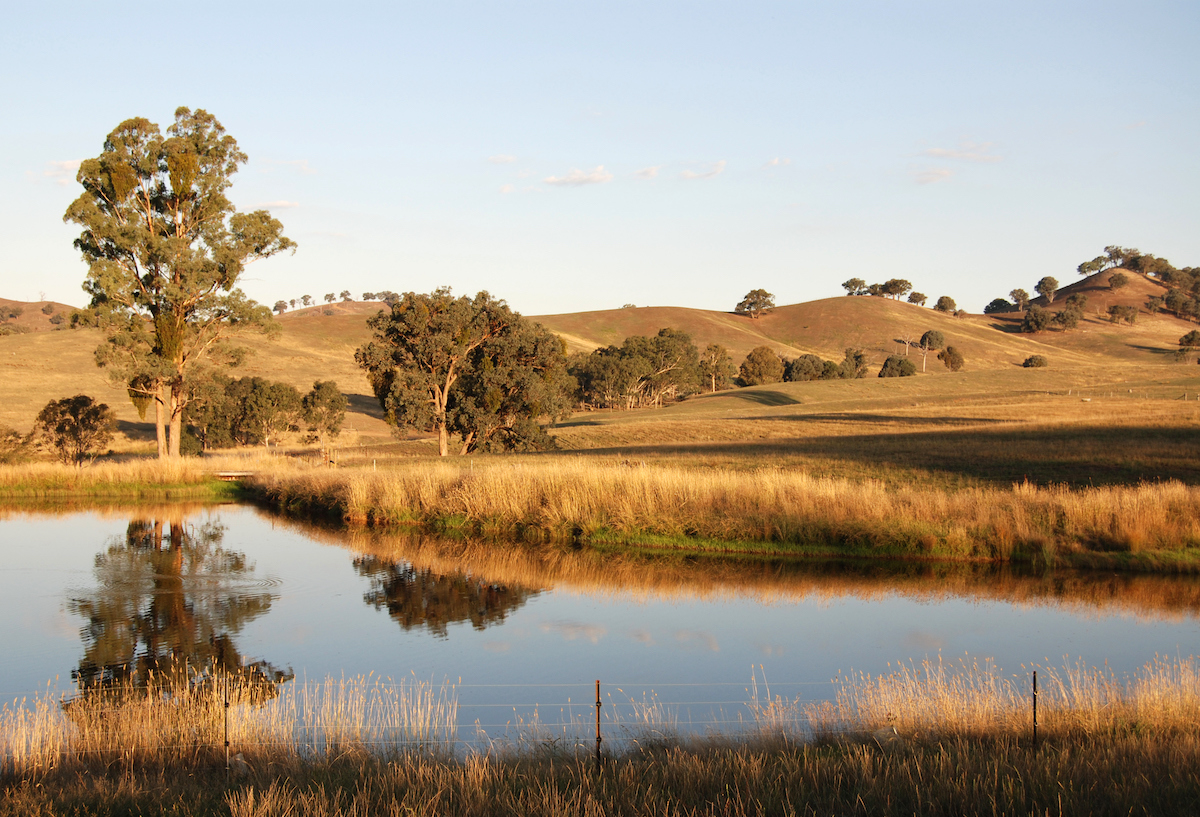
pixel 365 404
pixel 876 419
pixel 765 398
pixel 136 431
pixel 1077 456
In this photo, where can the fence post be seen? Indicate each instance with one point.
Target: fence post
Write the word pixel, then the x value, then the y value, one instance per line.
pixel 598 726
pixel 1035 709
pixel 225 687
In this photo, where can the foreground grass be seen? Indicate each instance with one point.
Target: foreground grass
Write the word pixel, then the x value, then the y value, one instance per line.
pixel 1150 526
pixel 928 739
pixel 140 479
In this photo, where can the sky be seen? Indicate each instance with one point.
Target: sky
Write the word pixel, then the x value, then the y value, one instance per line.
pixel 574 156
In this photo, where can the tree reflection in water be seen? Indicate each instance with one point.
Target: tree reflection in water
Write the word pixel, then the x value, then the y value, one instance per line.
pixel 420 598
pixel 168 604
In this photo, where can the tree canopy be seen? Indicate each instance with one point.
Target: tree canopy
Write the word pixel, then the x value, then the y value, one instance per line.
pixel 1046 288
pixel 645 371
pixel 716 369
pixel 897 366
pixel 75 427
pixel 464 365
pixel 757 303
pixel 165 248
pixel 945 304
pixel 762 365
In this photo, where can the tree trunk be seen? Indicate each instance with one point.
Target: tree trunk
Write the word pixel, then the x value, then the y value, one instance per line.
pixel 160 423
pixel 176 410
pixel 443 437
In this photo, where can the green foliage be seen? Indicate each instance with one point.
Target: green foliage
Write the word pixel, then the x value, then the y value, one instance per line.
pixel 896 287
pixel 855 286
pixel 932 340
pixel 1035 362
pixel 952 358
pixel 14 446
pixel 1020 298
pixel 997 305
pixel 917 298
pixel 897 366
pixel 1114 256
pixel 465 365
pixel 831 371
pixel 1127 314
pixel 262 409
pixel 644 372
pixel 1117 280
pixel 762 365
pixel 1191 340
pixel 368 296
pixel 1046 288
pixel 757 303
pixel 945 304
pixel 1072 312
pixel 75 427
pixel 165 248
pixel 854 364
pixel 324 409
pixel 57 319
pixel 345 295
pixel 1036 319
pixel 280 307
pixel 803 368
pixel 716 369
pixel 48 309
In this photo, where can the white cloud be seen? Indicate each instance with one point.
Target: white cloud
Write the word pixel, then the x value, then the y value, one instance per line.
pixel 502 159
pixel 577 178
pixel 776 162
pixel 696 638
pixel 62 172
pixel 1136 125
pixel 648 172
pixel 572 630
pixel 507 188
pixel 277 205
pixel 299 165
pixel 936 174
pixel 967 151
pixel 715 170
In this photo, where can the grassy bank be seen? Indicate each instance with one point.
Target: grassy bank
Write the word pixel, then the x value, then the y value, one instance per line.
pixel 135 480
pixel 928 739
pixel 1151 526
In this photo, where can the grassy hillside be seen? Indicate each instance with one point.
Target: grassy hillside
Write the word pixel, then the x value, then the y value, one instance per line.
pixel 41 365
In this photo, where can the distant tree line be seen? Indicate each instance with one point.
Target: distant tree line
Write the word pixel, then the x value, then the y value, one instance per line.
pixel 225 412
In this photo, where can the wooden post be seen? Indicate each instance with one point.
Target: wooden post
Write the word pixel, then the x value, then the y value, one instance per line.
pixel 1035 709
pixel 225 686
pixel 598 726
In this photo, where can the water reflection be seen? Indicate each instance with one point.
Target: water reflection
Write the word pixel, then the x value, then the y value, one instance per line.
pixel 168 603
pixel 421 598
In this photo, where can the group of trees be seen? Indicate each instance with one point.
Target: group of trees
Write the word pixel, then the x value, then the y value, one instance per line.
pixel 646 371
pixel 467 367
pixel 225 412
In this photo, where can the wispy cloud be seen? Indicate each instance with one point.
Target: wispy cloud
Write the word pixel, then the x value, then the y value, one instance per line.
pixel 648 172
pixel 777 162
pixel 1136 125
pixel 715 170
pixel 572 630
pixel 966 151
pixel 299 165
pixel 62 172
pixel 933 175
pixel 578 178
pixel 690 638
pixel 277 205
pixel 507 188
pixel 502 159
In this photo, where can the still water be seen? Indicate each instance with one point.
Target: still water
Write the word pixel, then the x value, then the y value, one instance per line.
pixel 90 597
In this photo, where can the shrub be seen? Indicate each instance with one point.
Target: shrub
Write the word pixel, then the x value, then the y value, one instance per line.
pixel 945 304
pixel 48 309
pixel 1128 314
pixel 1036 319
pixel 998 305
pixel 75 427
pixel 952 358
pixel 805 367
pixel 854 365
pixel 762 365
pixel 897 366
pixel 1035 362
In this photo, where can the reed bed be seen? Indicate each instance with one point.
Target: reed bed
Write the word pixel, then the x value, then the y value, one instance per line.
pixel 777 508
pixel 130 480
pixel 169 726
pixel 935 738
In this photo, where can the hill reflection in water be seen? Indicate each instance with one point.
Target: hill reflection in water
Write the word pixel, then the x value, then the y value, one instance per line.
pixel 523 569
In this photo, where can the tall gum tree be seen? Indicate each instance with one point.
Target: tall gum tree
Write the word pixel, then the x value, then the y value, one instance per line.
pixel 165 248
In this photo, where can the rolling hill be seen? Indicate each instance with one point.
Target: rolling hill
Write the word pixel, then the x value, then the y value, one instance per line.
pixel 318 343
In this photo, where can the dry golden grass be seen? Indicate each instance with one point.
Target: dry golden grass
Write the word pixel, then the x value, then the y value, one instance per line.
pixel 928 739
pixel 771 509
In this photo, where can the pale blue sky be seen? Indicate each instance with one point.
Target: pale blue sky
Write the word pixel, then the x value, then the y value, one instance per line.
pixel 574 156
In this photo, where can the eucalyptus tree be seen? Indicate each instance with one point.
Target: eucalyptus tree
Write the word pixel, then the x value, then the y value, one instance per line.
pixel 165 248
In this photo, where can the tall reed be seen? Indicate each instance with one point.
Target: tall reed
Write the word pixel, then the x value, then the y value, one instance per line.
pixel 564 496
